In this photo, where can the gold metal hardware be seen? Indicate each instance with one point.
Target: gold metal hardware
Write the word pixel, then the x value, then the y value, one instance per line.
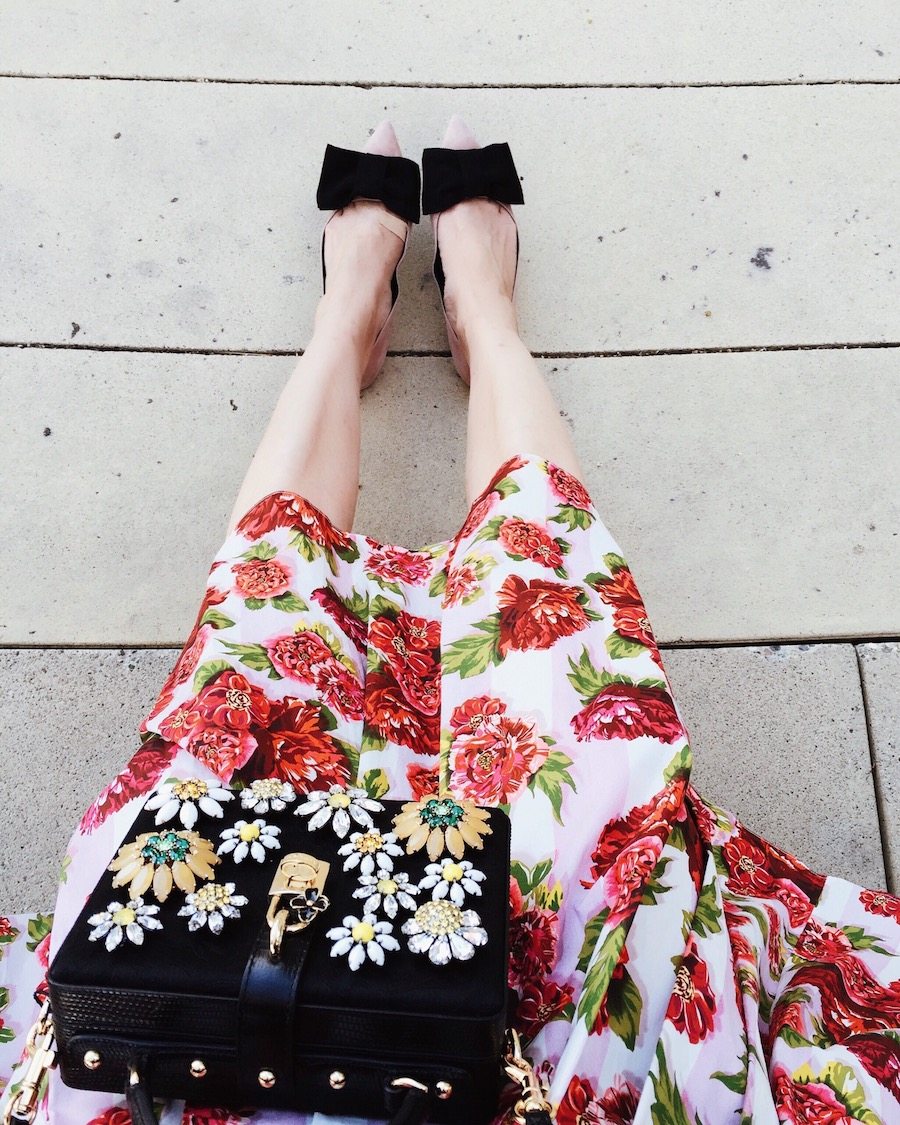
pixel 410 1084
pixel 40 1047
pixel 198 1068
pixel 444 1090
pixel 266 1079
pixel 519 1069
pixel 92 1060
pixel 337 1080
pixel 295 896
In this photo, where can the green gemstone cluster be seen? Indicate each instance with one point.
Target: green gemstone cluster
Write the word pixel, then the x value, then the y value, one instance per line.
pixel 441 812
pixel 166 847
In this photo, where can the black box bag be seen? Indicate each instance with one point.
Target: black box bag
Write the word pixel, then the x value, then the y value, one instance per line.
pixel 324 952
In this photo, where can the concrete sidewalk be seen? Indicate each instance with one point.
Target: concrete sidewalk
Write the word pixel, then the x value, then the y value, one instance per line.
pixel 710 275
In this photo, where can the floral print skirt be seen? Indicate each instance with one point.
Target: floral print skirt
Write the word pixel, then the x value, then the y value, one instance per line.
pixel 673 967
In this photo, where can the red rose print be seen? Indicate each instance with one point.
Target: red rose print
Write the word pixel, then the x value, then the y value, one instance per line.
pixel 411 647
pixel 881 1058
pixel 824 943
pixel 629 711
pixel 692 1004
pixel 223 751
pixel 211 1117
pixel 294 654
pixel 471 715
pixel 807 1103
pixel 185 667
pixel 179 722
pixel 338 688
pixel 140 775
pixel 295 748
pixel 619 1103
pixel 231 701
pixel 352 625
pixel 461 581
pixel 112 1116
pixel 6 927
pixel 625 879
pixel 747 873
pixel 388 711
pixel 569 488
pixel 882 903
pixel 620 590
pixel 540 1002
pixel 423 780
pixel 579 1105
pixel 261 578
pixel 532 945
pixel 495 763
pixel 528 540
pixel 289 509
pixel 654 817
pixel 535 614
pixel 798 905
pixel 477 514
pixel 633 622
pixel 398 564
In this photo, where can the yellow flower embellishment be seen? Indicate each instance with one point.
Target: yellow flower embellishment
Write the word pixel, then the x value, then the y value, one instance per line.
pixel 163 859
pixel 441 823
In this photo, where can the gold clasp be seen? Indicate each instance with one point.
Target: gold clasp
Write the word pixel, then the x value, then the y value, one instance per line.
pixel 41 1054
pixel 300 879
pixel 519 1069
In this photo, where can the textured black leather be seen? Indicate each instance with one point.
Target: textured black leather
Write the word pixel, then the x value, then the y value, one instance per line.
pixel 450 175
pixel 409 1107
pixel 267 1009
pixel 140 1103
pixel 538 1117
pixel 347 175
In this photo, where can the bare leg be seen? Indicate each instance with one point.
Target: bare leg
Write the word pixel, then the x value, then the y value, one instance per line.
pixel 511 408
pixel 311 444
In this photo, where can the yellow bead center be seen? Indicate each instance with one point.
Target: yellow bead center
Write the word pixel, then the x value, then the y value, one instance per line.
pixel 339 800
pixel 452 872
pixel 249 832
pixel 386 886
pixel 191 789
pixel 124 917
pixel 368 843
pixel 363 931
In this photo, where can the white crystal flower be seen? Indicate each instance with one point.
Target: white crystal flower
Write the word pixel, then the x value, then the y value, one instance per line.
pixel 443 931
pixel 129 921
pixel 211 905
pixel 186 799
pixel 371 849
pixel 267 793
pixel 360 938
pixel 390 889
pixel 452 879
pixel 341 806
pixel 249 837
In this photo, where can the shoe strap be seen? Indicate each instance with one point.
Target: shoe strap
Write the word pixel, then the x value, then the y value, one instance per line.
pixel 348 174
pixel 450 175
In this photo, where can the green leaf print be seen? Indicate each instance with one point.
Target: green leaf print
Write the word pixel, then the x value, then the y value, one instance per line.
pixel 375 783
pixel 472 655
pixel 614 562
pixel 289 602
pixel 530 878
pixel 208 671
pixel 792 1038
pixel 550 779
pixel 380 606
pixel 250 655
pixel 506 486
pixel 305 547
pixel 620 648
pixel 490 530
pixel 573 518
pixel 255 603
pixel 668 1107
pixel 680 765
pixel 7 935
pixel 600 971
pixel 38 928
pixel 349 553
pixel 261 550
pixel 438 584
pixel 372 740
pixel 591 937
pixel 351 752
pixel 585 678
pixel 707 916
pixel 623 1006
pixel 216 619
pixel 859 939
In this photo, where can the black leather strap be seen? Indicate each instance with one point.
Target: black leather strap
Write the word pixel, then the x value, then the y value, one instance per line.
pixel 347 175
pixel 407 1105
pixel 266 1011
pixel 538 1117
pixel 140 1103
pixel 450 175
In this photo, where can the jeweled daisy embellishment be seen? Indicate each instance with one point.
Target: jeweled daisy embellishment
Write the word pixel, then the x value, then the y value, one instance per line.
pixel 362 938
pixel 370 850
pixel 452 879
pixel 441 823
pixel 163 859
pixel 249 837
pixel 443 931
pixel 388 890
pixel 267 794
pixel 340 805
pixel 118 923
pixel 186 799
pixel 211 905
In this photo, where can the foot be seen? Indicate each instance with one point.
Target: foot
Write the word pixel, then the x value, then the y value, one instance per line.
pixel 477 243
pixel 361 254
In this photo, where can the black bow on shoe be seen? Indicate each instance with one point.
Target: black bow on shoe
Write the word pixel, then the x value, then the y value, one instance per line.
pixel 450 175
pixel 348 175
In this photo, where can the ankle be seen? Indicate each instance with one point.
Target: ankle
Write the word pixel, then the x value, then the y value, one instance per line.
pixel 489 318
